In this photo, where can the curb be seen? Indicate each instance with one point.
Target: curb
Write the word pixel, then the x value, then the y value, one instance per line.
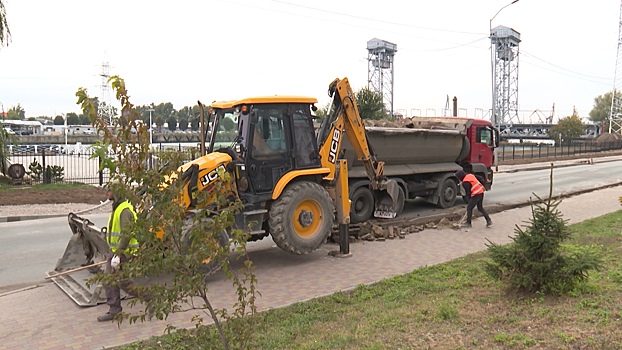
pixel 36 217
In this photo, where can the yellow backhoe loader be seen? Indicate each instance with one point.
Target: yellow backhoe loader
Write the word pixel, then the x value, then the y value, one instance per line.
pixel 291 179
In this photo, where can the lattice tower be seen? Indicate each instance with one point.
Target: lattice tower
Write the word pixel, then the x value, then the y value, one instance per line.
pixel 615 117
pixel 504 46
pixel 380 57
pixel 105 101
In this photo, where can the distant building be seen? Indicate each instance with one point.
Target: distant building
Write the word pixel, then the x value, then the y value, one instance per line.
pixel 23 127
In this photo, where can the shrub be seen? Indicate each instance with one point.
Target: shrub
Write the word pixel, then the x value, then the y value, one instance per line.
pixel 537 261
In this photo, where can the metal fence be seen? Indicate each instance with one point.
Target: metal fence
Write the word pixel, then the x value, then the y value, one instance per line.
pixel 51 165
pixel 82 167
pixel 535 151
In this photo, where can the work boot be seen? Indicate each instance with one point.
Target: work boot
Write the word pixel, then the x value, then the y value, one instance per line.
pixel 108 316
pixel 488 223
pixel 466 225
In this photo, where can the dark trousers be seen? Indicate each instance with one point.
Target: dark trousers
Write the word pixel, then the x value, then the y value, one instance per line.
pixel 113 293
pixel 477 200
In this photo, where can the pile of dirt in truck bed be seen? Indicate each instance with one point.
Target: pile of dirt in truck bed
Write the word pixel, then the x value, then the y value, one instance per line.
pixel 405 123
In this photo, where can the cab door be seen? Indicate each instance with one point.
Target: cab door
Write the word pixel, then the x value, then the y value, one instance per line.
pixel 269 147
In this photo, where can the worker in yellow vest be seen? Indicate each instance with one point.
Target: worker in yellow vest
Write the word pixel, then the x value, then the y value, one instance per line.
pixel 123 247
pixel 475 192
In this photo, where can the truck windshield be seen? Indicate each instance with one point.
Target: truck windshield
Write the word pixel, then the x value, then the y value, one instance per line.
pixel 225 128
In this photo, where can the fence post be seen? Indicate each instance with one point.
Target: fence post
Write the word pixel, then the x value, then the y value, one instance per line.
pixel 101 172
pixel 45 172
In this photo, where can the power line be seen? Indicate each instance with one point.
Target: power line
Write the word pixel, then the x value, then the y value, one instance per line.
pixel 375 20
pixel 568 70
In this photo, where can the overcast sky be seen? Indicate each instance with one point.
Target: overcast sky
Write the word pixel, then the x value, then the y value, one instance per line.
pixel 183 51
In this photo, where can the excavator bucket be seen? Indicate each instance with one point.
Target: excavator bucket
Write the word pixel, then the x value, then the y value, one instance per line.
pixel 87 246
pixel 387 199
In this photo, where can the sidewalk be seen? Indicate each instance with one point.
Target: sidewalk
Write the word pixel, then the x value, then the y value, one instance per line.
pixel 45 318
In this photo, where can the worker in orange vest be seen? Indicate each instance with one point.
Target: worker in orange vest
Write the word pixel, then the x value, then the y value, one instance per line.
pixel 475 192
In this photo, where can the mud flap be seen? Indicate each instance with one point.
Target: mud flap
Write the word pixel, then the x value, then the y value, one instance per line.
pixel 386 199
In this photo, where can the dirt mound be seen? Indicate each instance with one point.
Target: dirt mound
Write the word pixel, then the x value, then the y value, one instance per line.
pixel 29 195
pixel 608 137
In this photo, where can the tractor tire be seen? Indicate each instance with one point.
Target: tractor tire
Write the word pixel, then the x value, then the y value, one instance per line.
pixel 209 265
pixel 362 208
pixel 301 218
pixel 448 193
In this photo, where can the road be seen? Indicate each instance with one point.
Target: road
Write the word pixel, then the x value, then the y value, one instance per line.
pixel 30 248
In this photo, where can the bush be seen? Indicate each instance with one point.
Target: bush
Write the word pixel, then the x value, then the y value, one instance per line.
pixel 537 261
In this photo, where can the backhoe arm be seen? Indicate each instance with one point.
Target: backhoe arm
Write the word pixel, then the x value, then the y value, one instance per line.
pixel 343 116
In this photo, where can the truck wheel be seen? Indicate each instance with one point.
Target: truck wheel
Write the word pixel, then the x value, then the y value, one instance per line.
pixel 448 193
pixel 362 207
pixel 210 264
pixel 302 218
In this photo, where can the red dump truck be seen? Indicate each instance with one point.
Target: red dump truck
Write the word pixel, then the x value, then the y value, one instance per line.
pixel 422 155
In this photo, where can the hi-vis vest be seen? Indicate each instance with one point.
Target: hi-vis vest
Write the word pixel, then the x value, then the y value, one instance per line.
pixel 476 186
pixel 114 229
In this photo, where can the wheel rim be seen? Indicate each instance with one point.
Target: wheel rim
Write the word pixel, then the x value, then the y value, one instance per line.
pixel 307 218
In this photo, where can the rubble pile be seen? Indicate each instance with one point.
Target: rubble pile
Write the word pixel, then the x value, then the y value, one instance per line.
pixel 374 231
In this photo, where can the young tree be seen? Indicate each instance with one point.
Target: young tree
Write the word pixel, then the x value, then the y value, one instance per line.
pixel 16 113
pixel 602 107
pixel 59 120
pixel 178 246
pixel 537 261
pixel 5 140
pixel 5 32
pixel 159 121
pixel 567 129
pixel 73 119
pixel 370 104
pixel 172 123
pixel 183 123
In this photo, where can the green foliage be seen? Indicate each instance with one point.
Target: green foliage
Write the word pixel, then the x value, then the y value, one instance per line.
pixel 602 107
pixel 159 121
pixel 228 124
pixel 5 140
pixel 370 104
pixel 59 120
pixel 537 261
pixel 73 119
pixel 179 248
pixel 183 123
pixel 35 169
pixel 567 129
pixel 172 123
pixel 54 173
pixel 16 113
pixel 5 32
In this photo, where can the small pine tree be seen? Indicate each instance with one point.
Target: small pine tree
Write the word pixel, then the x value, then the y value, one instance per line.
pixel 537 261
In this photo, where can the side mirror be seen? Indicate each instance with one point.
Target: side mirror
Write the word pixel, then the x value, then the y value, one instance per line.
pixel 254 116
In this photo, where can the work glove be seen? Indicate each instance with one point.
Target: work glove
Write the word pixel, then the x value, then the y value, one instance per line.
pixel 115 261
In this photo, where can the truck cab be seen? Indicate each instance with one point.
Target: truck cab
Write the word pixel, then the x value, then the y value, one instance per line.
pixel 483 138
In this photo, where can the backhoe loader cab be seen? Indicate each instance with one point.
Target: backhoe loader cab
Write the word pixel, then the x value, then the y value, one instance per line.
pixel 272 137
pixel 277 169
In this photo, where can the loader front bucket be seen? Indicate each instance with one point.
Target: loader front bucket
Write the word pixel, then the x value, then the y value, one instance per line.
pixel 87 246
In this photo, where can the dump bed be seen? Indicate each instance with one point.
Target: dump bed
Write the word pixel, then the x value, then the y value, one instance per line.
pixel 421 145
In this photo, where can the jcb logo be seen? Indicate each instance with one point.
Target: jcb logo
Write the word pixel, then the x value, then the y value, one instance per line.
pixel 212 175
pixel 334 144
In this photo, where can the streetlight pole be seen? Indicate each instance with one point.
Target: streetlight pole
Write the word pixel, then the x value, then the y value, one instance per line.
pixel 65 117
pixel 494 118
pixel 151 126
